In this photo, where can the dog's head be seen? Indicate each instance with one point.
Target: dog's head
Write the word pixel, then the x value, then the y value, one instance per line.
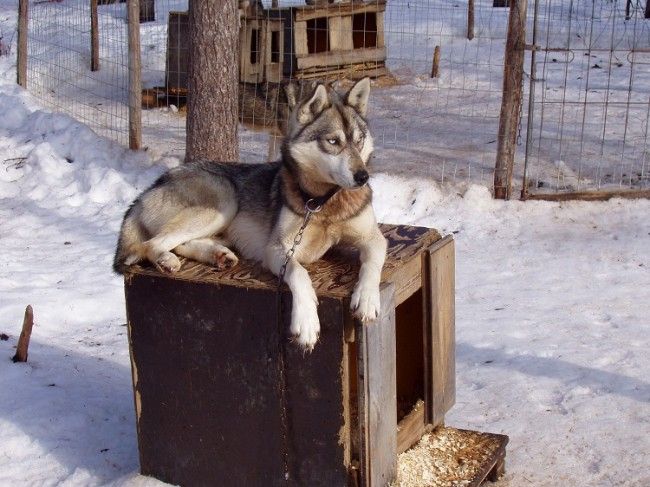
pixel 327 135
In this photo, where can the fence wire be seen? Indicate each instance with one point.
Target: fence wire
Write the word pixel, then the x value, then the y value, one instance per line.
pixel 443 128
pixel 591 97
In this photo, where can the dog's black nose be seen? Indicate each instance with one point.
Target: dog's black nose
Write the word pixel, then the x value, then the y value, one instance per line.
pixel 361 177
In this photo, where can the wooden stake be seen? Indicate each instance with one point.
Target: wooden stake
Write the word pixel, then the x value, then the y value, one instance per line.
pixel 94 37
pixel 470 20
pixel 513 76
pixel 435 67
pixel 21 68
pixel 135 80
pixel 25 334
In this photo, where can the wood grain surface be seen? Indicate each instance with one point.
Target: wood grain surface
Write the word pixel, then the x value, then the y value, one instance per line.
pixel 334 275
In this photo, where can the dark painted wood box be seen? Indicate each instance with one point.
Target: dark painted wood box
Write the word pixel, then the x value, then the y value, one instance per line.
pixel 205 350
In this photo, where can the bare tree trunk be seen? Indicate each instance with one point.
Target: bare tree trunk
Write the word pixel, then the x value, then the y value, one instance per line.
pixel 212 115
pixel 513 75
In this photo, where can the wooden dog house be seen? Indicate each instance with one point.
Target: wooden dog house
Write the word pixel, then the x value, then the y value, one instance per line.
pixel 339 39
pixel 304 42
pixel 204 353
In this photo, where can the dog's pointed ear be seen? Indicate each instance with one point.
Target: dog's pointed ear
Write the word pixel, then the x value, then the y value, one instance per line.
pixel 318 102
pixel 357 97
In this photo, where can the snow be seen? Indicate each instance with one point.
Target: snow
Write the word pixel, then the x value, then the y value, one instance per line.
pixel 552 311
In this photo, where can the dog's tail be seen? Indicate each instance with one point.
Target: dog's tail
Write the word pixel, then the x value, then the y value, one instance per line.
pixel 130 249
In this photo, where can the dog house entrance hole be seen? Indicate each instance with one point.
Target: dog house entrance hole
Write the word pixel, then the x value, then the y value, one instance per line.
pixel 317 35
pixel 364 30
pixel 410 352
pixel 410 373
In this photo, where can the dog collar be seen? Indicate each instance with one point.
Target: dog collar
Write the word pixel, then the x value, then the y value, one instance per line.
pixel 315 203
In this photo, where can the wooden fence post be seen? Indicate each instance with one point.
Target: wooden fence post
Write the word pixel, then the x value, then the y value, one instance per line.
pixel 435 66
pixel 513 73
pixel 21 61
pixel 135 73
pixel 470 20
pixel 94 37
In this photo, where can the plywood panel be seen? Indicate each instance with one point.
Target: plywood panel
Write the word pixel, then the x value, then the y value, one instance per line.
pixel 440 284
pixel 300 38
pixel 378 400
pixel 340 30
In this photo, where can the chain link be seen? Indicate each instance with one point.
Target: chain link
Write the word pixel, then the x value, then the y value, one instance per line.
pixel 311 207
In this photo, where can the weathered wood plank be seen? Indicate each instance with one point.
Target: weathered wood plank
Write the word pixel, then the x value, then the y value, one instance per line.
pixel 340 31
pixel 308 13
pixel 600 195
pixel 378 395
pixel 411 428
pixel 300 38
pixel 440 286
pixel 339 58
pixel 334 275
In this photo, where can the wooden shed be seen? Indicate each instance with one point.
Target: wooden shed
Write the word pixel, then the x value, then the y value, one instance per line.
pixel 338 39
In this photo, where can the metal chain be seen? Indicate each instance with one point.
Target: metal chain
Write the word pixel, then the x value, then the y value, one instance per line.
pixel 310 208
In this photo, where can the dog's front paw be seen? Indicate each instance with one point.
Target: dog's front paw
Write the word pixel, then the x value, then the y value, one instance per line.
pixel 168 262
pixel 224 259
pixel 365 303
pixel 305 326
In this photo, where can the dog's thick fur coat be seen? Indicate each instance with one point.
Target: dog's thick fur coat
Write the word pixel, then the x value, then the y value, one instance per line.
pixel 200 209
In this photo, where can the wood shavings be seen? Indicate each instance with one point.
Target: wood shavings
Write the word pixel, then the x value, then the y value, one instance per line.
pixel 447 457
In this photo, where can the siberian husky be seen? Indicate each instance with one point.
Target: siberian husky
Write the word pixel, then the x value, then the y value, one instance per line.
pixel 201 210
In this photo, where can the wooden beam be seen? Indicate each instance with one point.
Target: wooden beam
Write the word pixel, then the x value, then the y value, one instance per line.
pixel 23 24
pixel 308 13
pixel 601 195
pixel 341 58
pixel 513 75
pixel 378 395
pixel 440 291
pixel 135 73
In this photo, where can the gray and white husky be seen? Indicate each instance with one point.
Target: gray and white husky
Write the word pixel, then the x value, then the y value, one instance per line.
pixel 200 209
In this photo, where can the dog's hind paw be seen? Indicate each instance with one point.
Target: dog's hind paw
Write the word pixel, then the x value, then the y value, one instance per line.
pixel 305 327
pixel 168 262
pixel 365 303
pixel 225 259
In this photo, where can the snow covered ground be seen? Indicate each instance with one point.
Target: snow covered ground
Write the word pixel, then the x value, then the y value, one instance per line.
pixel 553 313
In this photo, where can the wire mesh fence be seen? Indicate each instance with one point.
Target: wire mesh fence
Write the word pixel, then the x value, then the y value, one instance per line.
pixel 588 104
pixel 590 97
pixel 442 127
pixel 59 70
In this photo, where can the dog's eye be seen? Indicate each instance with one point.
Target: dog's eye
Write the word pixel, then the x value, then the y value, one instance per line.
pixel 333 141
pixel 360 141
